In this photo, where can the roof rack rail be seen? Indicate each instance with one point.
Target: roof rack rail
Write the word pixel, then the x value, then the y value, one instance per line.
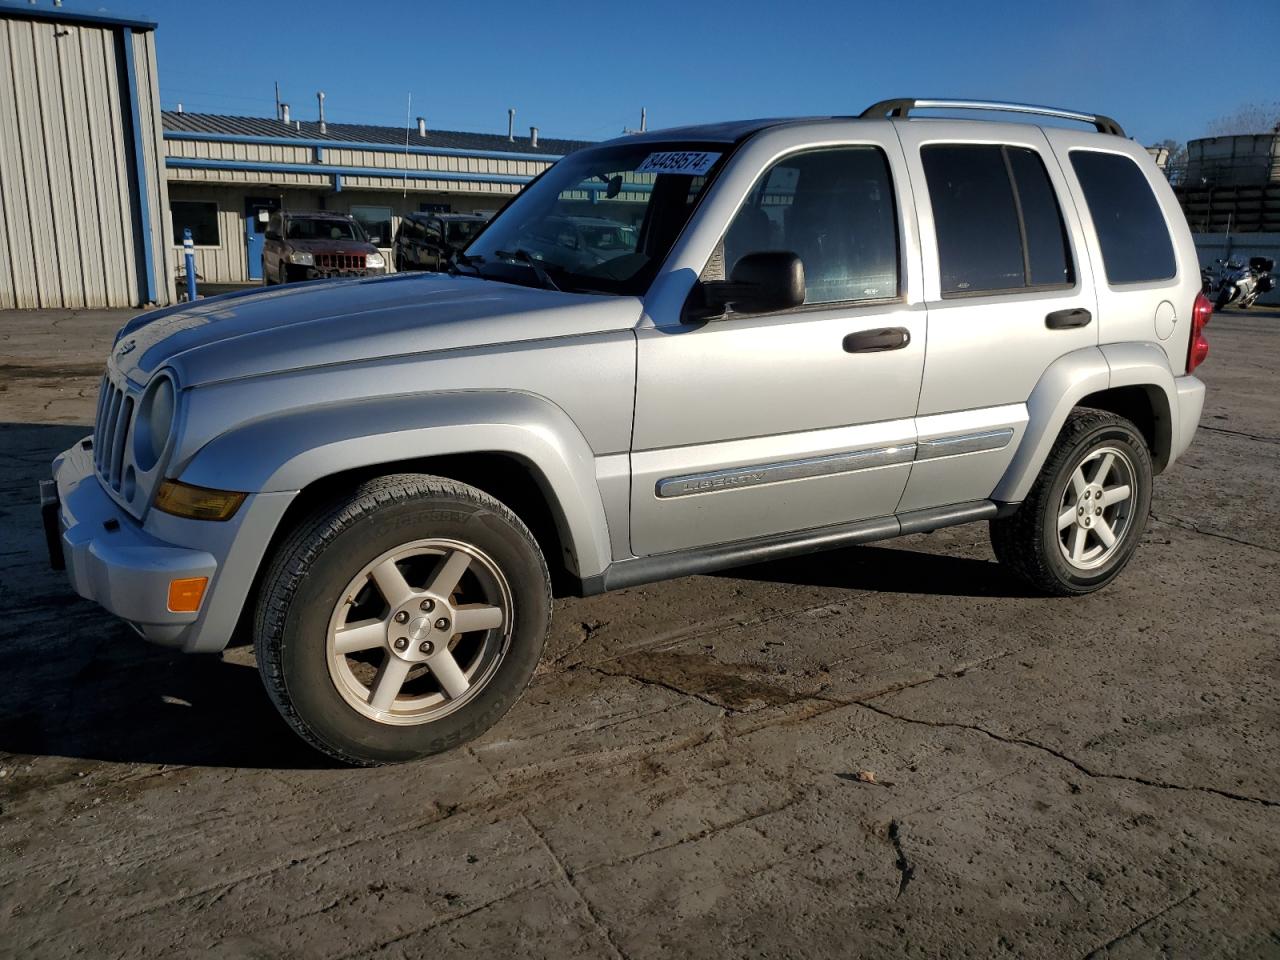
pixel 903 107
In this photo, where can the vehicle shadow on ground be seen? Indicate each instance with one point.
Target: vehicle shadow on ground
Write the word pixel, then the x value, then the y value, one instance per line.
pixel 890 570
pixel 81 684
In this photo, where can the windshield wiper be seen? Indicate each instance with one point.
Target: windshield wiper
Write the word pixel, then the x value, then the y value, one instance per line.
pixel 460 259
pixel 522 256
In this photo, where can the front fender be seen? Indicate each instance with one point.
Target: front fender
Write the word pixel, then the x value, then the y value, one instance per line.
pixel 1070 379
pixel 289 451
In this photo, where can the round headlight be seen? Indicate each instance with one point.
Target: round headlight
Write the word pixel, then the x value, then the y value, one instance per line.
pixel 154 423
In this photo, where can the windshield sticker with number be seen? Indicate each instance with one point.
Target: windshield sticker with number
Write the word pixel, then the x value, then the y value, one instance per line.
pixel 694 162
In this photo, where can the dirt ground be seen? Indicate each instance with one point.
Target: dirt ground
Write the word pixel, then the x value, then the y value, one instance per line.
pixel 1056 778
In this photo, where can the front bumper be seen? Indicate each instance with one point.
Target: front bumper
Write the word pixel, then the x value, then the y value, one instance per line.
pixel 109 558
pixel 126 566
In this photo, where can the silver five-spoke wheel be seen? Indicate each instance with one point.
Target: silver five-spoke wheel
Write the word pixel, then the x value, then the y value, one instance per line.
pixel 419 631
pixel 1095 511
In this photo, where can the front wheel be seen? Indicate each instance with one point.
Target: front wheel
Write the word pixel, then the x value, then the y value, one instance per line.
pixel 403 620
pixel 1086 512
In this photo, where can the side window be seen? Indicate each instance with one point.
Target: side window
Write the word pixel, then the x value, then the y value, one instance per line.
pixel 1131 229
pixel 833 208
pixel 997 219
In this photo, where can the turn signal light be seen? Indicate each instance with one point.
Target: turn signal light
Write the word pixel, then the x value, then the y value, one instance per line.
pixel 197 503
pixel 1198 349
pixel 185 595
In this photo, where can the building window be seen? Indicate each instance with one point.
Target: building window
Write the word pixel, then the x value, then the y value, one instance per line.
pixel 376 222
pixel 1126 214
pixel 201 217
pixel 997 219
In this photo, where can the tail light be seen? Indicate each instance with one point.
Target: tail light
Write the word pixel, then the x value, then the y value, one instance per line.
pixel 1199 347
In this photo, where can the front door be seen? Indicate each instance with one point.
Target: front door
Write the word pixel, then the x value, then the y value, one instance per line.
pixel 257 211
pixel 759 424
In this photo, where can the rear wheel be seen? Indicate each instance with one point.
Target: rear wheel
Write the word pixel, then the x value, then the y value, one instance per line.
pixel 1086 512
pixel 403 620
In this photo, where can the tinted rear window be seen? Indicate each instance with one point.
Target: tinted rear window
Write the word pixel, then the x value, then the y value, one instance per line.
pixel 1131 229
pixel 1047 258
pixel 979 241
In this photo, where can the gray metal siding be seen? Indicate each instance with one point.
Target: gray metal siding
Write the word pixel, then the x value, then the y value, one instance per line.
pixel 66 201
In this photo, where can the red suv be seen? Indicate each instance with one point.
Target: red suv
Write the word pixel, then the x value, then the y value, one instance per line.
pixel 310 246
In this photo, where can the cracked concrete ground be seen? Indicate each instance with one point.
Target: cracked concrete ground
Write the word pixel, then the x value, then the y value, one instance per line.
pixel 687 775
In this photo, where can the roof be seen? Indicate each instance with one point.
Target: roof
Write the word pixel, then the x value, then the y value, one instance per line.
pixel 730 131
pixel 220 125
pixel 426 215
pixel 63 12
pixel 315 215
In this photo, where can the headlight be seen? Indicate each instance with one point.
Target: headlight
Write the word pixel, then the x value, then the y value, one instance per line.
pixel 154 422
pixel 197 503
pixel 374 260
pixel 302 258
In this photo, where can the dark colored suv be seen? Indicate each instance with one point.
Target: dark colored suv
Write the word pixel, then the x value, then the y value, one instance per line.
pixel 311 246
pixel 425 241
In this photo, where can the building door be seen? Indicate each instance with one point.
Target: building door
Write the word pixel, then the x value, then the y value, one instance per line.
pixel 257 211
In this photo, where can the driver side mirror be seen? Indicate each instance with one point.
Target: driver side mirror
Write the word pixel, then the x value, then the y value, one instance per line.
pixel 761 282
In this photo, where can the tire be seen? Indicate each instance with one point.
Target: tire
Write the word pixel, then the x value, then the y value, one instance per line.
pixel 284 274
pixel 1035 543
pixel 404 536
pixel 1224 297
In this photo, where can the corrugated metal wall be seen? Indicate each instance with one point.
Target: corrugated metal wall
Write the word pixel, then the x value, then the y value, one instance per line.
pixel 69 233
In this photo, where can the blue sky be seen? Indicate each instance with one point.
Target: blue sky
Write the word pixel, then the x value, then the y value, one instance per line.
pixel 584 70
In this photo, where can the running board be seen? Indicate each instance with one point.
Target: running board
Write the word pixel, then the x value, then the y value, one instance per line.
pixel 683 563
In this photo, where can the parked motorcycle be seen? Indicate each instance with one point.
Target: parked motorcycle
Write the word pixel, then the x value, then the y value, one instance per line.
pixel 1239 283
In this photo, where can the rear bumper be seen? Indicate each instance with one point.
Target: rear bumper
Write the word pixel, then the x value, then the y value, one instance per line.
pixel 1190 394
pixel 110 559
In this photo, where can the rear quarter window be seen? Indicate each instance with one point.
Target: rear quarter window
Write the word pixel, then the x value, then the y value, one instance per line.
pixel 1131 228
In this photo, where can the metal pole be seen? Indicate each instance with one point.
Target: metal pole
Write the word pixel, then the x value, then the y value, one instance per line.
pixel 189 251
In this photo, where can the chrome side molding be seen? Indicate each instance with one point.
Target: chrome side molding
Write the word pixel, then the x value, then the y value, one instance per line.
pixel 964 443
pixel 750 476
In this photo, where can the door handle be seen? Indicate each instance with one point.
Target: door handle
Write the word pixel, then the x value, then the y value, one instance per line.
pixel 877 341
pixel 1067 319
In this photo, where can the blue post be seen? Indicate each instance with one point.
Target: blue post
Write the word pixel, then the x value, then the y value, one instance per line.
pixel 189 251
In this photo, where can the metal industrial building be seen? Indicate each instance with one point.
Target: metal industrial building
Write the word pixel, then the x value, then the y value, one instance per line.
pixel 97 184
pixel 83 192
pixel 224 172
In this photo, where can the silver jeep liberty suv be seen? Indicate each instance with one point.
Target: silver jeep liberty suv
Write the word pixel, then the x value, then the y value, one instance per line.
pixel 794 335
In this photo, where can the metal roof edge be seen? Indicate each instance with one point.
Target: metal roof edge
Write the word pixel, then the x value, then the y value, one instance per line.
pixel 325 144
pixel 25 10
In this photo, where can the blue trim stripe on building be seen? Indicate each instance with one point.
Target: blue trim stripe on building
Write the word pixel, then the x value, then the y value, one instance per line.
pixel 321 144
pixel 140 166
pixel 391 173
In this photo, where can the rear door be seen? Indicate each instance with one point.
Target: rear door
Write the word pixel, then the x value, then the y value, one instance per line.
pixel 767 423
pixel 1009 290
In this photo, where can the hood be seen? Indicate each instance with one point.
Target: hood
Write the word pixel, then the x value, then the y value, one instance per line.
pixel 265 331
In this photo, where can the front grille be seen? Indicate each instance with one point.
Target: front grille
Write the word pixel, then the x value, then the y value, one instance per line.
pixel 111 432
pixel 339 262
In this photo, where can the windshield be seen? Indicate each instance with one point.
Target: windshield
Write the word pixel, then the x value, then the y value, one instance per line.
pixel 601 220
pixel 323 229
pixel 458 232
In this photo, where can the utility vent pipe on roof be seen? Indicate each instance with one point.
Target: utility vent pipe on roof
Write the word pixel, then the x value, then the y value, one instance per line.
pixel 320 100
pixel 284 112
pixel 179 106
pixel 533 137
pixel 511 125
pixel 422 126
